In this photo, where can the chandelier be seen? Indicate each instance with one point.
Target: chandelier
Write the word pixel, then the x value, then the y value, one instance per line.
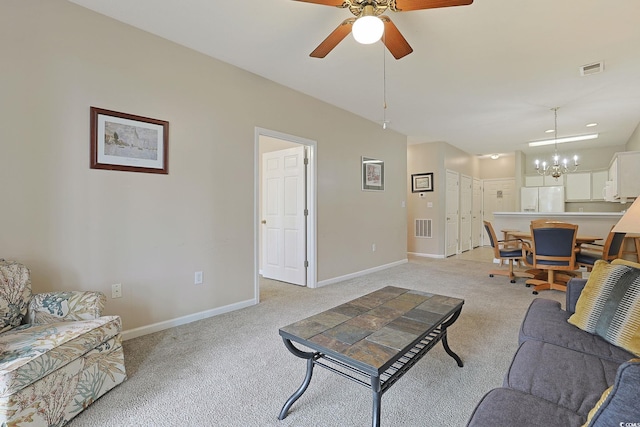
pixel 556 168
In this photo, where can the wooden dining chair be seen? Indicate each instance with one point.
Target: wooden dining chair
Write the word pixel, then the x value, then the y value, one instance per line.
pixel 506 250
pixel 610 250
pixel 552 249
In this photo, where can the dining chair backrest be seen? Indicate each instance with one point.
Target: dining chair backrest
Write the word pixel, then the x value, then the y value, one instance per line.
pixel 553 245
pixel 492 238
pixel 612 246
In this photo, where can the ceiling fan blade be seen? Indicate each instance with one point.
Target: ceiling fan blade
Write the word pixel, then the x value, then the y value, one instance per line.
pixel 394 40
pixel 333 39
pixel 337 3
pixel 406 5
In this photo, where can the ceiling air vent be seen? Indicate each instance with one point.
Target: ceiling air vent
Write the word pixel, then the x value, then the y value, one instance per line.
pixel 595 68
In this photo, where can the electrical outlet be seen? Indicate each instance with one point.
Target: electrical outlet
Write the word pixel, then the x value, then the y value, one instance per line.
pixel 373 247
pixel 116 290
pixel 197 278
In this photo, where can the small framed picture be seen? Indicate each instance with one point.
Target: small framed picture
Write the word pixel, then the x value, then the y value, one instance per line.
pixel 421 182
pixel 126 142
pixel 372 174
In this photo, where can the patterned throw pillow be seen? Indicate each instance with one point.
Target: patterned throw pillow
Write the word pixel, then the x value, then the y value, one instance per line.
pixel 15 293
pixel 599 403
pixel 609 305
pixel 618 404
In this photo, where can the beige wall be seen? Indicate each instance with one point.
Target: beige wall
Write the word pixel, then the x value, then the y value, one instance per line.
pixel 425 158
pixel 634 141
pixel 502 167
pixel 78 228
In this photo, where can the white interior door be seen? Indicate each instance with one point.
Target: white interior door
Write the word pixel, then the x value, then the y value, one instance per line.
pixel 466 202
pixel 476 215
pixel 284 220
pixel 452 204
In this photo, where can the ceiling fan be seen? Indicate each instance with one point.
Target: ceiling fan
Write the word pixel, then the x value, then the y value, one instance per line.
pixel 370 12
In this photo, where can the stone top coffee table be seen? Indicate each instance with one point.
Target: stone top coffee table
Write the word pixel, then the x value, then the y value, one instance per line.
pixel 373 340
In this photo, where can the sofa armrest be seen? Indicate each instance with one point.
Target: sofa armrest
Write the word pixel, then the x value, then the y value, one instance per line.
pixel 574 289
pixel 65 306
pixel 619 404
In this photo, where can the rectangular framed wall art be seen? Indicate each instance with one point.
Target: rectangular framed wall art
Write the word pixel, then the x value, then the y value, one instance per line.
pixel 372 174
pixel 126 142
pixel 421 182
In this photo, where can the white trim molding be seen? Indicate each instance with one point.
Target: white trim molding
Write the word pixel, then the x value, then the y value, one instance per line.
pixel 161 326
pixel 361 273
pixel 439 256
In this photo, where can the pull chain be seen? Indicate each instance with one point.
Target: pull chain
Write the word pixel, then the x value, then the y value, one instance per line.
pixel 384 85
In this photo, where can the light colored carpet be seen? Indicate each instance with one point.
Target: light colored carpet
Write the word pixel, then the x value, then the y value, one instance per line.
pixel 233 369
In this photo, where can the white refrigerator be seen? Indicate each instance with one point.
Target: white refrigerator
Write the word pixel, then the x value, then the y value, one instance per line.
pixel 542 199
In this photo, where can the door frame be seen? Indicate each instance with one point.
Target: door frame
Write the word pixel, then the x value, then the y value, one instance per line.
pixel 311 191
pixel 449 172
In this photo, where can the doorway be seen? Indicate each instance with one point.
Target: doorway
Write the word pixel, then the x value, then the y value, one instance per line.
pixel 285 236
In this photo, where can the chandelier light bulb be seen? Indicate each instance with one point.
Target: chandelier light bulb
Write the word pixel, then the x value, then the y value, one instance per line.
pixel 367 29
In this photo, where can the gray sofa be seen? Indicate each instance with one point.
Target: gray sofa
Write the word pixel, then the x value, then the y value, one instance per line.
pixel 559 374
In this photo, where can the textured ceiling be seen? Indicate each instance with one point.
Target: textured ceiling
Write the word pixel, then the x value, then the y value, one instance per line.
pixel 482 77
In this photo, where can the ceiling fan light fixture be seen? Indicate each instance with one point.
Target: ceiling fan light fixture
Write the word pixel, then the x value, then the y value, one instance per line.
pixel 368 28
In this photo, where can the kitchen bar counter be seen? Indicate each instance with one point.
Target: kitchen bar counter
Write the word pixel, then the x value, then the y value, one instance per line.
pixel 591 223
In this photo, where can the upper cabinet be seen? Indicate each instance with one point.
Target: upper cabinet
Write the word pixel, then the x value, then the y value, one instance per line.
pixel 586 186
pixel 542 181
pixel 578 186
pixel 624 174
pixel 598 183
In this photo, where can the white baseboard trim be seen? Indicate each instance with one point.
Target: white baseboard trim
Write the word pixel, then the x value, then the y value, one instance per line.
pixel 426 255
pixel 360 273
pixel 161 326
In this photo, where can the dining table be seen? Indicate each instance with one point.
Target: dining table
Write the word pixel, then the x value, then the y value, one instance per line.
pixel 540 274
pixel 526 235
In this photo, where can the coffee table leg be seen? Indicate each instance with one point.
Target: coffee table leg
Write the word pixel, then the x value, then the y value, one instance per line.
pixel 305 383
pixel 445 343
pixel 450 352
pixel 377 398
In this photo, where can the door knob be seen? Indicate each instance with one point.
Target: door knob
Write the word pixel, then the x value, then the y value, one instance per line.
pixel 264 221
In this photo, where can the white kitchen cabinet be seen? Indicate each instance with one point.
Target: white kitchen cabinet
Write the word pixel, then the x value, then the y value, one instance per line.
pixel 598 182
pixel 624 172
pixel 542 181
pixel 578 187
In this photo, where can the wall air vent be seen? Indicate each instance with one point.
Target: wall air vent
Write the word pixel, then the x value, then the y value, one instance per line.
pixel 595 68
pixel 423 228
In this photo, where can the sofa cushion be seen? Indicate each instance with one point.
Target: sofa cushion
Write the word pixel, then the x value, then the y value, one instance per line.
pixel 568 378
pixel 504 407
pixel 619 406
pixel 30 352
pixel 65 306
pixel 609 305
pixel 56 398
pixel 546 321
pixel 15 293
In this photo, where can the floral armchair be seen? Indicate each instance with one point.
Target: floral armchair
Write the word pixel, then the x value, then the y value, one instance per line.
pixel 57 353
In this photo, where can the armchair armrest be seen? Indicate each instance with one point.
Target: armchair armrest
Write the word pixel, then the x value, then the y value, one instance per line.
pixel 574 289
pixel 65 306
